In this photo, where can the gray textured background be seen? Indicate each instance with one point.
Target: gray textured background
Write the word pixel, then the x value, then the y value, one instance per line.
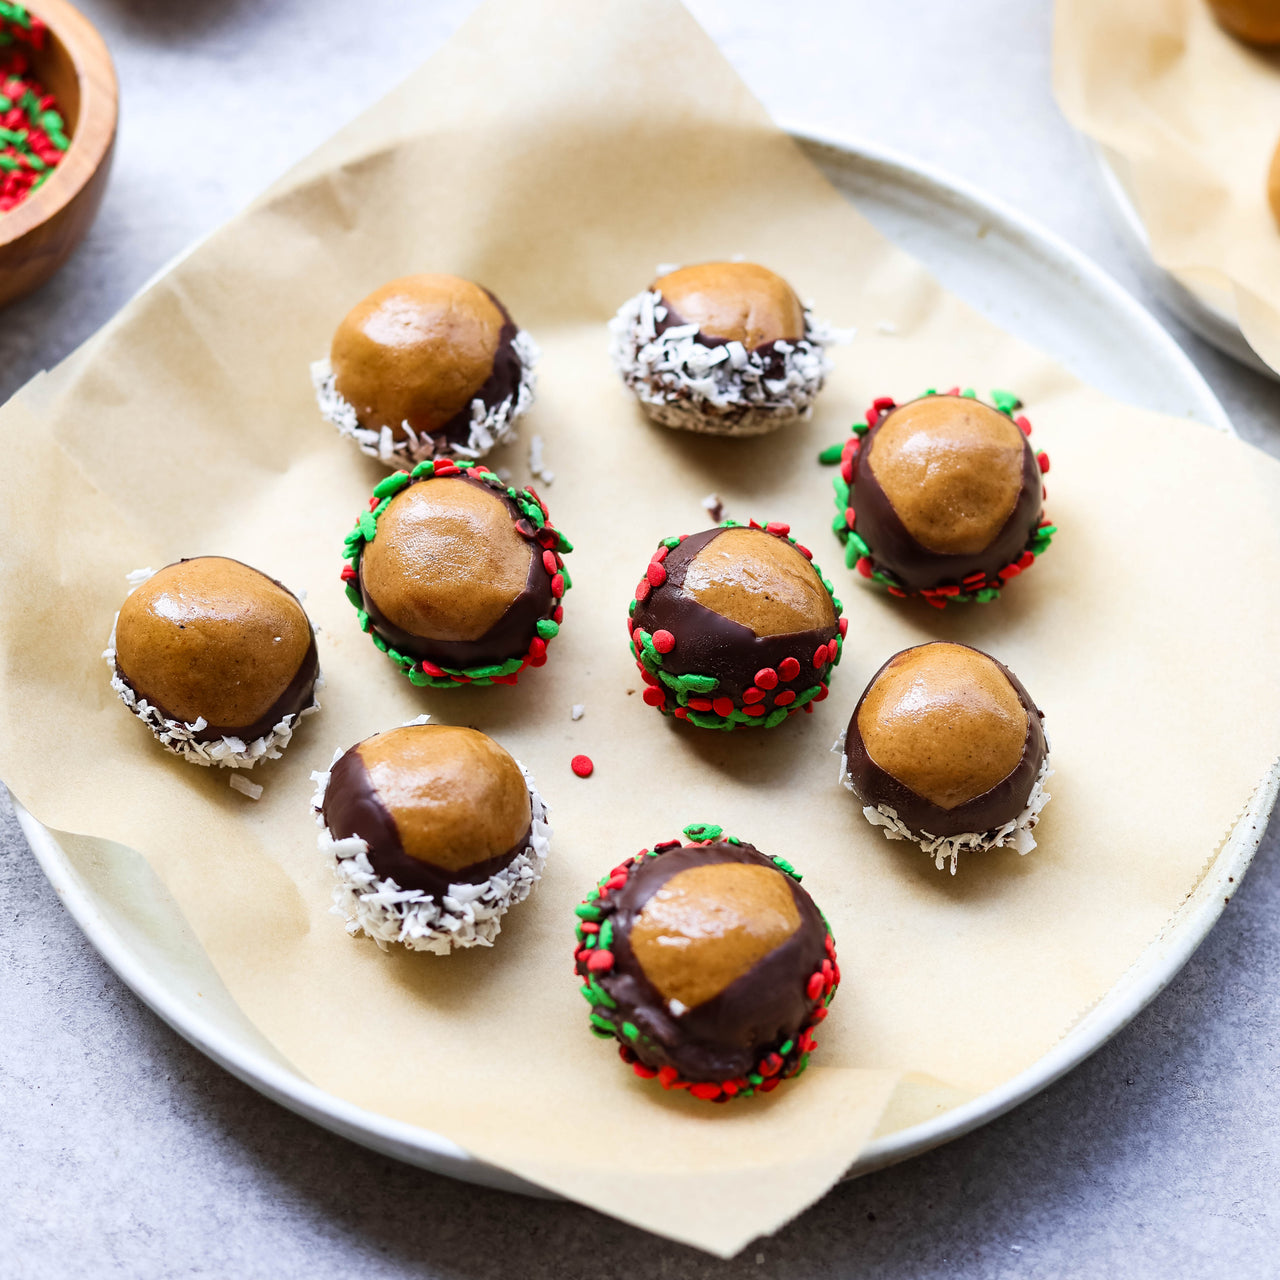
pixel 123 1152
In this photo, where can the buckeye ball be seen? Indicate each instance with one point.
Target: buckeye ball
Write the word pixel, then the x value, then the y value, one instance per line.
pixel 942 497
pixel 734 627
pixel 946 748
pixel 218 660
pixel 427 364
pixel 435 832
pixel 708 963
pixel 458 578
pixel 721 347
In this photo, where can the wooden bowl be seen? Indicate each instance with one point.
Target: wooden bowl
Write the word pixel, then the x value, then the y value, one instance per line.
pixel 39 235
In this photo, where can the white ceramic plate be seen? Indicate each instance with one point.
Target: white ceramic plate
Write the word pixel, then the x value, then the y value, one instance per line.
pixel 1211 316
pixel 1025 280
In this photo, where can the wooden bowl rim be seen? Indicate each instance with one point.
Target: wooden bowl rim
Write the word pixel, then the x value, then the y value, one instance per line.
pixel 95 129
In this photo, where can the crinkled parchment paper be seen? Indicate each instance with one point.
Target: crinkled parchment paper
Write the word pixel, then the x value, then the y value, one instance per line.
pixel 557 152
pixel 1188 117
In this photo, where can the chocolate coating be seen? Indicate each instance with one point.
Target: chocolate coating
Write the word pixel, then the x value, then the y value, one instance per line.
pixel 1254 21
pixel 733 302
pixel 436 805
pixel 419 350
pixel 951 740
pixel 211 637
pixel 758 1010
pixel 449 577
pixel 961 491
pixel 709 642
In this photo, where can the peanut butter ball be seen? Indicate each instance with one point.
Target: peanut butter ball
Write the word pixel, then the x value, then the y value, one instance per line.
pixel 946 748
pixel 735 627
pixel 721 347
pixel 457 578
pixel 440 812
pixel 427 364
pixel 217 659
pixel 1253 21
pixel 942 497
pixel 708 963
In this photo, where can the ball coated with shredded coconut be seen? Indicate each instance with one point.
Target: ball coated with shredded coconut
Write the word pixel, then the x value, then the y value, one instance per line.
pixel 218 660
pixel 427 365
pixel 435 832
pixel 725 348
pixel 946 748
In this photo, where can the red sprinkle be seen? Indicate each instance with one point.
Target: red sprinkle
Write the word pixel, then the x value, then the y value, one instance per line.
pixel 582 766
pixel 642 590
pixel 667 1077
pixel 767 678
pixel 600 960
pixel 723 707
pixel 844 627
pixel 348 573
pixel 1043 460
pixel 700 704
pixel 864 566
pixel 430 669
pixel 753 695
pixel 788 669
pixel 1025 423
pixel 654 697
pixel 757 709
pixel 785 698
pixel 821 656
pixel 558 617
pixel 645 1073
pixel 776 527
pixel 656 574
pixel 881 403
pixel 549 561
pixel 660 555
pixel 557 585
pixel 664 641
pixel 812 991
pixel 705 1090
pixel 537 651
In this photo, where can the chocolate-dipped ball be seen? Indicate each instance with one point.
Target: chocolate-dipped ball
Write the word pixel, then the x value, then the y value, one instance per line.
pixel 457 578
pixel 946 748
pixel 435 832
pixel 708 963
pixel 722 347
pixel 735 627
pixel 216 659
pixel 425 365
pixel 1253 21
pixel 942 497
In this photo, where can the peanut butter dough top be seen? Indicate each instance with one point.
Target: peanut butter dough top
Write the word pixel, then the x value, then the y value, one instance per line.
pixel 1254 21
pixel 447 561
pixel 761 581
pixel 708 925
pixel 944 721
pixel 456 797
pixel 212 638
pixel 416 350
pixel 734 302
pixel 951 468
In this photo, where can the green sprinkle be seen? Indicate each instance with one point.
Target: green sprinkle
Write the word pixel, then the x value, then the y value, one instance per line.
pixel 703 831
pixel 839 526
pixel 589 995
pixel 842 492
pixel 783 865
pixel 775 717
pixel 392 485
pixel 363 619
pixel 587 911
pixel 931 391
pixel 698 684
pixel 785 1049
pixel 8 163
pixel 732 840
pixel 755 1078
pixel 606 935
pixel 547 628
pixel 1005 401
pixel 368 526
pixel 630 1030
pixel 379 642
pixel 602 995
pixel 670 543
pixel 969 393
pixel 831 455
pixel 427 468
pixel 486 673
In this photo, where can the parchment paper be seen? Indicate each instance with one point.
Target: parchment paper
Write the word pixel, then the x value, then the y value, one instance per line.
pixel 1189 118
pixel 558 151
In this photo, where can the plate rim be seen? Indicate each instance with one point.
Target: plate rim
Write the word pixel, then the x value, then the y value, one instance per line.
pixel 1132 993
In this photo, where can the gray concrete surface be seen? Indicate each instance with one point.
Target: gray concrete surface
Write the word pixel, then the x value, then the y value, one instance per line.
pixel 124 1153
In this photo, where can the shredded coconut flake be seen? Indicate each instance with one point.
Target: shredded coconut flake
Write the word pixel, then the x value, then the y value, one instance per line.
pixel 489 426
pixel 1015 834
pixel 886 327
pixel 725 389
pixel 246 788
pixel 466 915
pixel 577 712
pixel 714 505
pixel 181 739
pixel 537 464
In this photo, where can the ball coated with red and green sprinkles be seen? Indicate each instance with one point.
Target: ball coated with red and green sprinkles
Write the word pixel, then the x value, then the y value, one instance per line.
pixel 737 627
pixel 582 766
pixel 33 133
pixel 717 1018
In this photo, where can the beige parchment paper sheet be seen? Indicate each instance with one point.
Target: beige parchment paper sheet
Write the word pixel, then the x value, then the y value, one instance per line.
pixel 558 151
pixel 1189 118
